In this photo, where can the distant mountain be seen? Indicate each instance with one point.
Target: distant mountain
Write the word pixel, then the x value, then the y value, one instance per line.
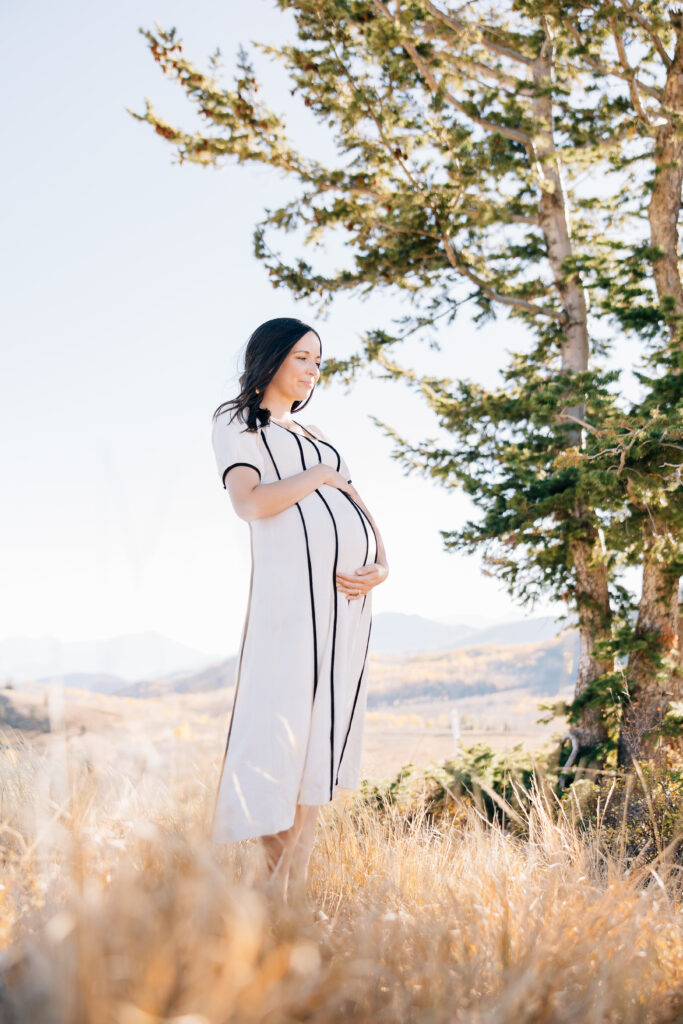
pixel 543 669
pixel 215 677
pixel 467 670
pixel 149 664
pixel 91 681
pixel 393 631
pixel 525 631
pixel 131 657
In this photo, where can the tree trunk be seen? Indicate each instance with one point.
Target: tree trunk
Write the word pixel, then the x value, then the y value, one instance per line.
pixel 594 621
pixel 665 203
pixel 651 690
pixel 591 592
pixel 652 687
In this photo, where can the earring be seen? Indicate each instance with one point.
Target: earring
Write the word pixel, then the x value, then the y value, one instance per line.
pixel 257 391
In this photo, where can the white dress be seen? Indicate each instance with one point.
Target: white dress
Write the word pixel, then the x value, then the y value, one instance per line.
pixel 298 716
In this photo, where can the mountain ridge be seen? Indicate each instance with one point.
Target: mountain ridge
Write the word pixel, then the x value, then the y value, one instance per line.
pixel 394 635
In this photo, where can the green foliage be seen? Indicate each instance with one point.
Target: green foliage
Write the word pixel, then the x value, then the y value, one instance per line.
pixel 512 459
pixel 635 816
pixel 503 159
pixel 673 720
pixel 499 784
pixel 437 193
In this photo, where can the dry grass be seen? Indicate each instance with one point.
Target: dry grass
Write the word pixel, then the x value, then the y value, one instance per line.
pixel 117 908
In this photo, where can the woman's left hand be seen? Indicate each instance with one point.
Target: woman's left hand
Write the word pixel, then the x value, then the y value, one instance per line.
pixel 355 585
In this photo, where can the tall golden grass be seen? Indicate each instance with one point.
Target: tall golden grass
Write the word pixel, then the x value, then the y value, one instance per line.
pixel 117 909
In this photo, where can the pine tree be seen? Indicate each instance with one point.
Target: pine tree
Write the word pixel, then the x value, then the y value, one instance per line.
pixel 464 137
pixel 640 47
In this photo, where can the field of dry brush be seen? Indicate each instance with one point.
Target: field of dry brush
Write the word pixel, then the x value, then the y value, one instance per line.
pixel 116 907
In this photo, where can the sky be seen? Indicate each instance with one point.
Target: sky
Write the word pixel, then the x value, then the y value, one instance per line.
pixel 129 291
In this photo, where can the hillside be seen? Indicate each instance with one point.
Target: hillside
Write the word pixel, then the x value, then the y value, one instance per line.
pixel 413 634
pixel 215 677
pixel 541 669
pixel 148 664
pixel 494 689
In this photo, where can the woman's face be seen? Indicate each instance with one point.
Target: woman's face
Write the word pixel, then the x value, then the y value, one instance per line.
pixel 299 372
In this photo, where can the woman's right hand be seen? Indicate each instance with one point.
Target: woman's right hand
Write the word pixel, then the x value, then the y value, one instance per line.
pixel 336 479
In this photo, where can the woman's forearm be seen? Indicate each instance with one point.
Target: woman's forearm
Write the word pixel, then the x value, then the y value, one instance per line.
pixel 269 499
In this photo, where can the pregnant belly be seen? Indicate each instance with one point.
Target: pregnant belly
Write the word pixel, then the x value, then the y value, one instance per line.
pixel 355 538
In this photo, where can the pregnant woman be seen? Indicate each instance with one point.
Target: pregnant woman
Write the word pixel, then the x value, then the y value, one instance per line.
pixel 296 730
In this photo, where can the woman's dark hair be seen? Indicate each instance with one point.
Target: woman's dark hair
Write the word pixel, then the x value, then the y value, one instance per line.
pixel 264 354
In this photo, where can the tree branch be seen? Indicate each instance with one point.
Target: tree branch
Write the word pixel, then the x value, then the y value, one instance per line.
pixel 605 69
pixel 480 33
pixel 629 73
pixel 492 126
pixel 649 29
pixel 371 114
pixel 582 423
pixel 458 264
pixel 516 86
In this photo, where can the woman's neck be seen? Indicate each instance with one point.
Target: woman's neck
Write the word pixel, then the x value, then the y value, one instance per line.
pixel 279 407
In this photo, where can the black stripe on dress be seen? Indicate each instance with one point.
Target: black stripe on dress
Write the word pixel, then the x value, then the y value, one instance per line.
pixel 334 627
pixel 357 507
pixel 232 466
pixel 317 439
pixel 360 511
pixel 310 441
pixel 362 521
pixel 238 673
pixel 334 640
pixel 310 576
pixel 363 516
pixel 355 701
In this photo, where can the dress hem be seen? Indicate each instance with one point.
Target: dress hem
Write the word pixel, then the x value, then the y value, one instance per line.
pixel 270 832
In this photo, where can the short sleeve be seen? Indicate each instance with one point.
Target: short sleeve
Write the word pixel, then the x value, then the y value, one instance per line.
pixel 235 445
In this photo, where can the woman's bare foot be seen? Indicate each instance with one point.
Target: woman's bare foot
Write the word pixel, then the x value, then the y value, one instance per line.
pixel 307 816
pixel 276 850
pixel 288 854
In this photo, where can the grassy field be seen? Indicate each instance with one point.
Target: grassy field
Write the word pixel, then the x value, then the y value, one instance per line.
pixel 117 908
pixel 415 731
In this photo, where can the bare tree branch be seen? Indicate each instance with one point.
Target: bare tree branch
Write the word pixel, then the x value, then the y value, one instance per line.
pixel 481 33
pixel 563 414
pixel 516 86
pixel 649 28
pixel 492 126
pixel 392 150
pixel 605 69
pixel 629 73
pixel 460 265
